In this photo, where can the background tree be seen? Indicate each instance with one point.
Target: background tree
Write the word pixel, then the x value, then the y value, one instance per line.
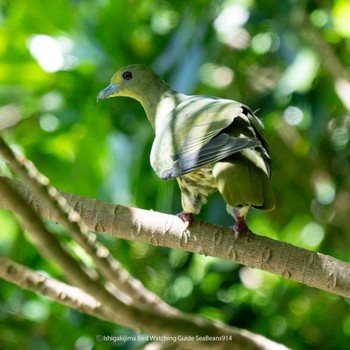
pixel 288 60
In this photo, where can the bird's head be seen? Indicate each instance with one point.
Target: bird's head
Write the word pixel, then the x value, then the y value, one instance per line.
pixel 134 81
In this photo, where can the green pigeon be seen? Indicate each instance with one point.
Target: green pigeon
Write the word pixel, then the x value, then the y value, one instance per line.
pixel 205 143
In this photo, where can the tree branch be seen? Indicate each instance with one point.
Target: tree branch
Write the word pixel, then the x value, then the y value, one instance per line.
pixel 63 293
pixel 150 320
pixel 77 299
pixel 294 263
pixel 128 287
pixel 113 307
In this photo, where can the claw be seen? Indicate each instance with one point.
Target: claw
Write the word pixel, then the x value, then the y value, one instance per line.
pixel 187 218
pixel 240 225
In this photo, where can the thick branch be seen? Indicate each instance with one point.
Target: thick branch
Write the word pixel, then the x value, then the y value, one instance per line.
pixel 311 268
pixel 146 314
pixel 149 320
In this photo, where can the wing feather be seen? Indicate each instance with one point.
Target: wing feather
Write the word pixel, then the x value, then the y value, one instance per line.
pixel 220 147
pixel 197 133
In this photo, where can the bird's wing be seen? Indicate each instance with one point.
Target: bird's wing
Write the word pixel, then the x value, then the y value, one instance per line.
pixel 198 119
pixel 218 148
pixel 196 135
pixel 258 128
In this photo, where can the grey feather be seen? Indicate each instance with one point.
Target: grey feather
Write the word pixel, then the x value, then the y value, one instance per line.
pixel 216 149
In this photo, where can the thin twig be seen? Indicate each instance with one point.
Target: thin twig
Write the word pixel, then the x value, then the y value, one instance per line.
pixel 62 293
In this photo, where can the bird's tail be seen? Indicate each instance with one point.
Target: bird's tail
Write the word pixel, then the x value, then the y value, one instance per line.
pixel 242 183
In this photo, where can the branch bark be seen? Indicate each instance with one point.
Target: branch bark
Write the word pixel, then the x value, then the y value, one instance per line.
pixel 61 292
pixel 129 303
pixel 129 289
pixel 311 268
pixel 77 299
pixel 110 307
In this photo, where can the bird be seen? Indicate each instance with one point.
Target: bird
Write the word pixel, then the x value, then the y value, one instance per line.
pixel 206 143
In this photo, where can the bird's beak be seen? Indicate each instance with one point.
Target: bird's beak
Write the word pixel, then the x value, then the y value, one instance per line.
pixel 109 91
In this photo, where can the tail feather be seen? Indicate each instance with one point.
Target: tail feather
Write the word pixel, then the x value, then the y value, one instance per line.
pixel 241 183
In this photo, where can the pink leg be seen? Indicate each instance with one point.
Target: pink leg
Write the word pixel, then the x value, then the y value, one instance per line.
pixel 187 218
pixel 240 225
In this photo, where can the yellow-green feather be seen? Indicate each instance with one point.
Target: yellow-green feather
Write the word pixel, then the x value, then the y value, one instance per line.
pixel 207 143
pixel 241 183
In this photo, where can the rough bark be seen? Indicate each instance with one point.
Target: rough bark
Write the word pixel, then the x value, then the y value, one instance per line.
pixel 311 268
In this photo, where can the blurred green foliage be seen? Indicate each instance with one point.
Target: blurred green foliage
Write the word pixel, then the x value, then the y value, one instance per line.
pixel 57 55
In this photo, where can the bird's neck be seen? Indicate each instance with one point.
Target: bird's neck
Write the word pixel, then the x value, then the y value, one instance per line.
pixel 157 102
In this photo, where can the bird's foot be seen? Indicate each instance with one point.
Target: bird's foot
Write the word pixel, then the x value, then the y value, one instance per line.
pixel 240 226
pixel 187 218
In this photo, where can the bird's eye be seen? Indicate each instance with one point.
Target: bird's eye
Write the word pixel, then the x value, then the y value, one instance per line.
pixel 127 75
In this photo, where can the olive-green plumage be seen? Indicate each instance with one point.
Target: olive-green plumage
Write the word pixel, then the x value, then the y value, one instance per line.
pixel 206 143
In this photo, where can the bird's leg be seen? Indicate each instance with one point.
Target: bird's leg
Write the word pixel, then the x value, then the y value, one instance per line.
pixel 191 200
pixel 186 217
pixel 240 225
pixel 239 215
